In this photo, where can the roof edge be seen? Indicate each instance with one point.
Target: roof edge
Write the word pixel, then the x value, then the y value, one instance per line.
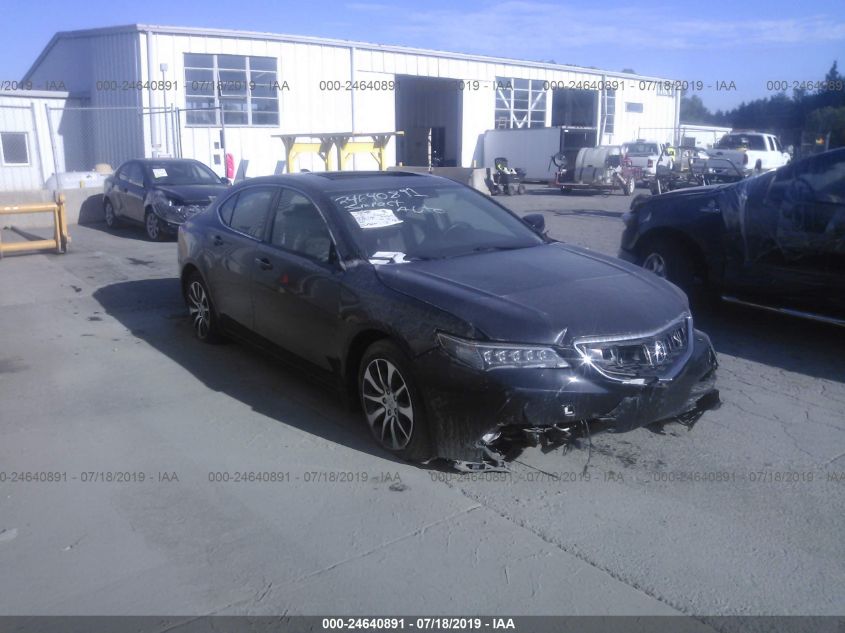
pixel 323 41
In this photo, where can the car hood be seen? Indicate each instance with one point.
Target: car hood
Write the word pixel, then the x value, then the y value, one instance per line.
pixel 550 294
pixel 191 194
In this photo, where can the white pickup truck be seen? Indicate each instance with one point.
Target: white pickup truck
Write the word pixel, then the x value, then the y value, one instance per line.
pixel 646 155
pixel 750 151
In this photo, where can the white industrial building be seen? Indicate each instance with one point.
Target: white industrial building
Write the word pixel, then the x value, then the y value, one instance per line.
pixel 143 90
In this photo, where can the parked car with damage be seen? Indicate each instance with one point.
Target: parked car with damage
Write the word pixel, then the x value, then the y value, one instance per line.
pixel 160 193
pixel 776 240
pixel 453 323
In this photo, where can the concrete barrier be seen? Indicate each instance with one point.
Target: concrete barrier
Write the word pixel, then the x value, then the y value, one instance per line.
pixel 472 176
pixel 82 206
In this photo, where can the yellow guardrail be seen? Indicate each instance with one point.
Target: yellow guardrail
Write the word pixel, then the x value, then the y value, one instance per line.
pixel 60 240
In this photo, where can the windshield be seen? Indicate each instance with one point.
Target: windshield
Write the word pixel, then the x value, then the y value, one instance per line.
pixel 181 173
pixel 642 148
pixel 740 141
pixel 429 222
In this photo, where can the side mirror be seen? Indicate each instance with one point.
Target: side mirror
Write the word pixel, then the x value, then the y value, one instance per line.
pixel 225 180
pixel 536 221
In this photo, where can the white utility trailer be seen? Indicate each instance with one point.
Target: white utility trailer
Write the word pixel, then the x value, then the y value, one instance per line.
pixel 532 149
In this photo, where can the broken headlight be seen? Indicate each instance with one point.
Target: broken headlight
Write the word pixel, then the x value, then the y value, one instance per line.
pixel 485 355
pixel 171 211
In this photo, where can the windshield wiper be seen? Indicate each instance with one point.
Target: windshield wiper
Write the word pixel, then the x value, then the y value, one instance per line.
pixel 489 249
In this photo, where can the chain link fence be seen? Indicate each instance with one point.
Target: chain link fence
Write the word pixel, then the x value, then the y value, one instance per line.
pixel 85 139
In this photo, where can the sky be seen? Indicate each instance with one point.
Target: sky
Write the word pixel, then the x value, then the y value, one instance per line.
pixel 746 42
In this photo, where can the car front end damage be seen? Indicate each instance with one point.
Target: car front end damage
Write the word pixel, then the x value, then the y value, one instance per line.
pixel 604 383
pixel 174 213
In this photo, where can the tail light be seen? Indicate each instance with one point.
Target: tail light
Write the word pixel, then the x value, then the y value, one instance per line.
pixel 744 158
pixel 650 163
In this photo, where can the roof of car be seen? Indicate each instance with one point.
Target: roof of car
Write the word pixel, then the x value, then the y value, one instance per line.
pixel 165 160
pixel 352 180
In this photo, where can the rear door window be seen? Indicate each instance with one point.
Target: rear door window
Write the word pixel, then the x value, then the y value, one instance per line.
pixel 299 227
pixel 135 174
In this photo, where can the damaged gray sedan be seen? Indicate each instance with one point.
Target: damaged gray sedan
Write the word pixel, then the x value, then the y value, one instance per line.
pixel 453 324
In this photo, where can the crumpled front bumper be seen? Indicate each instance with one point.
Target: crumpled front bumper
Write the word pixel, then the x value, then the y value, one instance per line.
pixel 170 223
pixel 463 404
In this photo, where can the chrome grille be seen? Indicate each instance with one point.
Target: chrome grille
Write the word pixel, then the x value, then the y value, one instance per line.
pixel 640 357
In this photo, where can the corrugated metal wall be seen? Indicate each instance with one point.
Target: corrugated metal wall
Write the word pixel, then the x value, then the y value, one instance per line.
pixel 307 107
pixel 117 131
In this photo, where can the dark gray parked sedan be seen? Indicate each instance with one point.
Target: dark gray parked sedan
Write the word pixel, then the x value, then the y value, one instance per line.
pixel 454 324
pixel 159 193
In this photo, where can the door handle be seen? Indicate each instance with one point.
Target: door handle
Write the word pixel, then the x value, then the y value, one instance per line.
pixel 217 240
pixel 263 263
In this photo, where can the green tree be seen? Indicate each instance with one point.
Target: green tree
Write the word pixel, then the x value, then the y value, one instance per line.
pixel 693 110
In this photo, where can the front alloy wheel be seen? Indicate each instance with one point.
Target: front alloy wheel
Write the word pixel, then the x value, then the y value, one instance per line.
pixel 391 403
pixel 388 406
pixel 108 211
pixel 153 226
pixel 669 260
pixel 655 263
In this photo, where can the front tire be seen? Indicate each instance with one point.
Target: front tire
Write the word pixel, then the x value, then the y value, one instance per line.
pixel 201 309
pixel 392 404
pixel 152 226
pixel 110 216
pixel 669 260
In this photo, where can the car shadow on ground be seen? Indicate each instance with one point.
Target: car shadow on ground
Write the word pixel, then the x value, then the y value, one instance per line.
pixel 153 311
pixel 126 231
pixel 586 193
pixel 595 213
pixel 788 343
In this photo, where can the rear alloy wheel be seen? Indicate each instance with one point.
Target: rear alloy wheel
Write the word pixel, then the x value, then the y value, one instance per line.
pixel 153 226
pixel 201 310
pixel 392 405
pixel 110 216
pixel 668 260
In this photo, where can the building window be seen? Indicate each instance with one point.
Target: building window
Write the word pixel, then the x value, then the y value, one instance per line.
pixel 665 89
pixel 633 106
pixel 15 148
pixel 243 87
pixel 520 103
pixel 609 110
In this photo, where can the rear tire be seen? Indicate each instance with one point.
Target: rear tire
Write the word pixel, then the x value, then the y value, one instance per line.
pixel 670 261
pixel 201 309
pixel 392 403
